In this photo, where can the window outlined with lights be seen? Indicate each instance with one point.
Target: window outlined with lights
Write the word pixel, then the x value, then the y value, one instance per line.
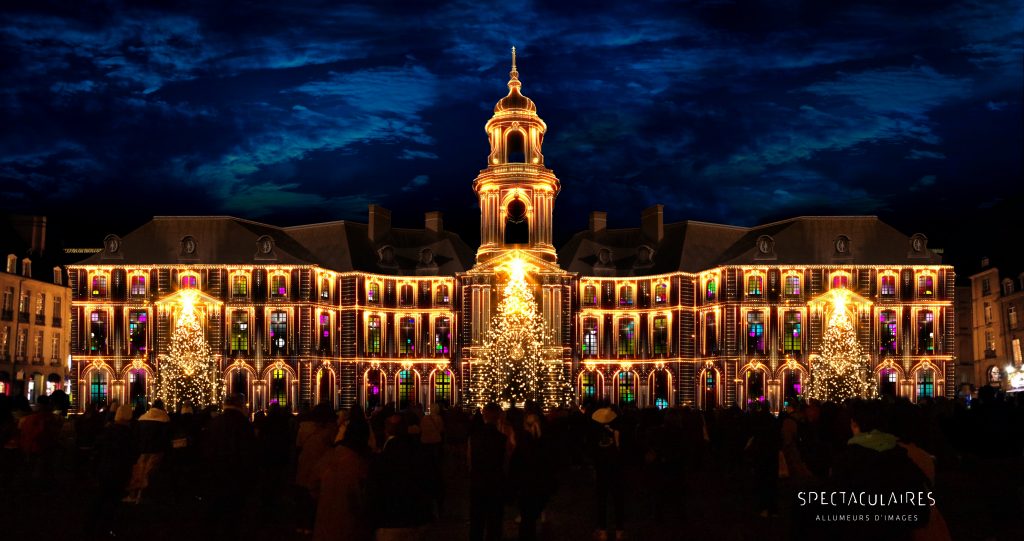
pixel 278 289
pixel 188 280
pixel 138 282
pixel 925 285
pixel 373 292
pixel 888 284
pixel 791 284
pixel 99 284
pixel 839 280
pixel 239 281
pixel 754 281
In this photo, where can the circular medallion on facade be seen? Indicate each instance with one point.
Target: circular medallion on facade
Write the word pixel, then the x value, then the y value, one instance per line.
pixel 918 243
pixel 188 245
pixel 112 244
pixel 266 245
pixel 842 244
pixel 765 245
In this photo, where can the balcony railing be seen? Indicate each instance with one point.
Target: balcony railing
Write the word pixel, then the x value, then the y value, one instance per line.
pixel 23 317
pixel 56 322
pixel 7 315
pixel 40 319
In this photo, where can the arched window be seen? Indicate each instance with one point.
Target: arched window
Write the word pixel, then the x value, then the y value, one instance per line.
pixel 925 286
pixel 589 296
pixel 278 331
pixel 99 286
pixel 626 295
pixel 755 332
pixel 925 383
pixel 239 331
pixel 792 332
pixel 710 290
pixel 278 387
pixel 239 286
pixel 443 387
pixel 405 295
pixel 373 293
pixel 515 147
pixel 325 386
pixel 840 280
pixel 709 389
pixel 441 297
pixel 325 289
pixel 137 387
pixel 138 285
pixel 278 286
pixel 406 389
pixel 659 335
pixel 627 336
pixel 755 285
pixel 373 335
pixel 590 343
pixel 887 332
pixel 626 383
pixel 442 336
pixel 137 320
pixel 407 336
pixel 238 382
pixel 661 294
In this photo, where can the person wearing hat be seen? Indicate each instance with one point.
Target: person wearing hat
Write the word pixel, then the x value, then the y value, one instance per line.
pixel 608 468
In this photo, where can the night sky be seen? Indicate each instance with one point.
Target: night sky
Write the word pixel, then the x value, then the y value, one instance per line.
pixel 732 112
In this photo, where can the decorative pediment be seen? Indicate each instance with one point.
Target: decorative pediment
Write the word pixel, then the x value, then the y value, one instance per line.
pixel 184 297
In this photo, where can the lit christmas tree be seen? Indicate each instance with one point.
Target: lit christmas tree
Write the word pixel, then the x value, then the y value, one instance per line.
pixel 840 372
pixel 188 373
pixel 514 367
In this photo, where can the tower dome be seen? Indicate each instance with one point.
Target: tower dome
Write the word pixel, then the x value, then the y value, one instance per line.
pixel 515 99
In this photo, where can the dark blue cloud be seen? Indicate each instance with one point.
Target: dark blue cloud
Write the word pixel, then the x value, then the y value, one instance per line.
pixel 298 111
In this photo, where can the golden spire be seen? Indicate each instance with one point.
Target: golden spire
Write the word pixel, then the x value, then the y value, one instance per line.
pixel 513 76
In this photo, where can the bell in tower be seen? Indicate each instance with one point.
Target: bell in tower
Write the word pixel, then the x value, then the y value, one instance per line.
pixel 517 193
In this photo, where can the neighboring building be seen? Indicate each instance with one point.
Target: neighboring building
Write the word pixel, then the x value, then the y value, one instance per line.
pixel 35 313
pixel 998 327
pixel 965 339
pixel 658 315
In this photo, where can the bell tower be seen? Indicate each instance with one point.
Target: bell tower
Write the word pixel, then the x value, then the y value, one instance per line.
pixel 517 193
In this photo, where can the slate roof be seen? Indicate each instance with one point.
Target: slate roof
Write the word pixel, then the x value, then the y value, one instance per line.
pixel 691 246
pixel 341 246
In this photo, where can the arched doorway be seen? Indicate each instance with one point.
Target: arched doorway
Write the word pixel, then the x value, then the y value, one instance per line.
pixel 660 385
pixel 407 385
pixel 888 382
pixel 325 384
pixel 517 228
pixel 96 387
pixel 589 386
pixel 239 382
pixel 792 386
pixel 924 384
pixel 279 381
pixel 626 383
pixel 755 388
pixel 138 395
pixel 443 387
pixel 374 385
pixel 708 391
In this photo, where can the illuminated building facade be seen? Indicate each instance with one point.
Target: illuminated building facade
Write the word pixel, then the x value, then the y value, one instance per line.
pixel 659 315
pixel 997 300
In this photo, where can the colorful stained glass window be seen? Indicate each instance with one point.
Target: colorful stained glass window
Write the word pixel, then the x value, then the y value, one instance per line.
pixel 278 286
pixel 792 330
pixel 590 348
pixel 278 387
pixel 887 332
pixel 373 292
pixel 189 281
pixel 138 285
pixel 590 296
pixel 443 387
pixel 710 290
pixel 626 296
pixel 660 335
pixel 926 332
pixel 588 385
pixel 627 388
pixel 239 330
pixel 442 336
pixel 278 331
pixel 661 294
pixel 98 388
pixel 373 335
pixel 406 388
pixel 792 288
pixel 925 383
pixel 137 320
pixel 888 286
pixel 755 332
pixel 755 285
pixel 407 336
pixel 925 285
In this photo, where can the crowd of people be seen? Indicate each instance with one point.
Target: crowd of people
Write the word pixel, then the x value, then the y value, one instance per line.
pixel 385 474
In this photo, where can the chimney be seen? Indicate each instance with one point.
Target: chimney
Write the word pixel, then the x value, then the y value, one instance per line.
pixel 652 222
pixel 598 221
pixel 38 241
pixel 433 221
pixel 379 223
